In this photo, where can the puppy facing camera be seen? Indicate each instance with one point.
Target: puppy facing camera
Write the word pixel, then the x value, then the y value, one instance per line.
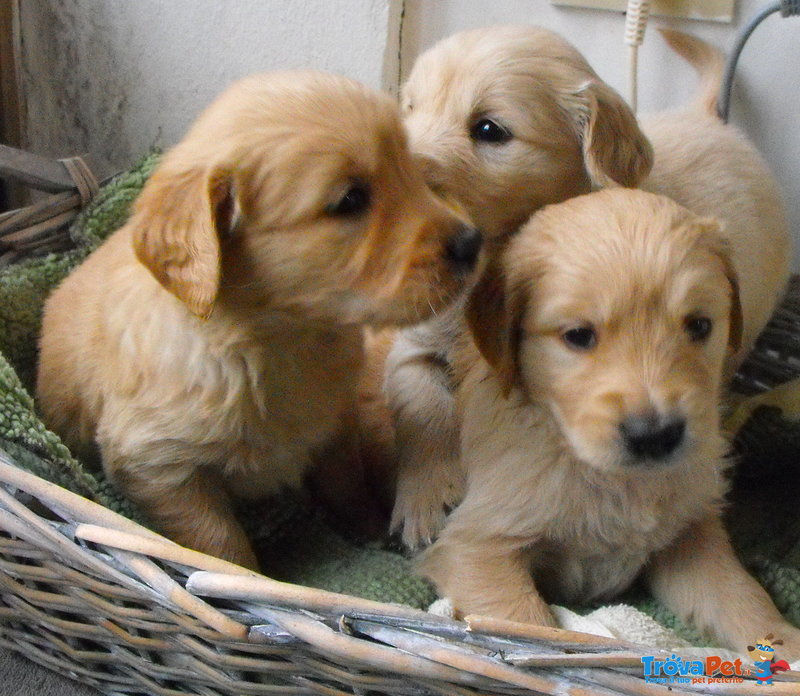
pixel 588 393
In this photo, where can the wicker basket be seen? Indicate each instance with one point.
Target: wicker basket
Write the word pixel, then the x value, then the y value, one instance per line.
pixel 96 597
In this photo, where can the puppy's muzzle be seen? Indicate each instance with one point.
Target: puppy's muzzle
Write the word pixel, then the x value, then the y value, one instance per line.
pixel 650 437
pixel 461 249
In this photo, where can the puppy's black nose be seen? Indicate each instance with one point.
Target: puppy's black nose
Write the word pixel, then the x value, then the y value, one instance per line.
pixel 463 247
pixel 648 436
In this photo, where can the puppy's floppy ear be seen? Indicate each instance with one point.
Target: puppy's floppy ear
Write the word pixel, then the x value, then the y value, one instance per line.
pixel 179 219
pixel 615 151
pixel 494 317
pixel 711 232
pixel 735 325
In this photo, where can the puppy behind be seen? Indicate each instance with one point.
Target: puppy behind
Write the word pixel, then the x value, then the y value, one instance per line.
pixel 212 345
pixel 590 424
pixel 507 119
pixel 712 169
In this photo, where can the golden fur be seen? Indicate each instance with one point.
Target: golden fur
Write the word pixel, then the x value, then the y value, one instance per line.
pixel 570 132
pixel 212 345
pixel 561 504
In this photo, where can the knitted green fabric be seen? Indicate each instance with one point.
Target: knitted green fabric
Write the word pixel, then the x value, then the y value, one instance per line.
pixel 293 541
pixel 24 286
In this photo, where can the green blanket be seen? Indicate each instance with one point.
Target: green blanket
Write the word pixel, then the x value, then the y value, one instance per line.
pixel 293 540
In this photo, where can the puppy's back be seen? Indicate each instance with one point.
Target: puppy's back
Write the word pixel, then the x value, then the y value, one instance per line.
pixel 712 169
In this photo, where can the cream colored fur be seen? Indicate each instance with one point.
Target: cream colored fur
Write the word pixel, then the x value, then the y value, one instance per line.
pixel 558 508
pixel 213 345
pixel 570 133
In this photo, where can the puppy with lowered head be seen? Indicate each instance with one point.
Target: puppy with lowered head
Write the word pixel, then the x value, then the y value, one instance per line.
pixel 506 119
pixel 588 396
pixel 211 346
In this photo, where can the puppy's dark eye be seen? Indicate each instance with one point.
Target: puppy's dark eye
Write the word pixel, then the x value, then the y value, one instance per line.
pixel 698 328
pixel 354 201
pixel 580 338
pixel 488 131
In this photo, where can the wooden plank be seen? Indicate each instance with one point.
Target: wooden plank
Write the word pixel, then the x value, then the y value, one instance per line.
pixel 12 104
pixel 10 97
pixel 35 171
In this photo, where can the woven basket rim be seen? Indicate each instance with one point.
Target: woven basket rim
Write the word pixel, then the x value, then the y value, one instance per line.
pixel 244 610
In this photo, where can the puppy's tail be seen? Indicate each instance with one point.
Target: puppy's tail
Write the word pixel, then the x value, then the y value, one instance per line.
pixel 708 62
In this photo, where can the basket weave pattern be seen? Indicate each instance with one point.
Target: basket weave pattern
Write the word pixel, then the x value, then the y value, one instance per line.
pixel 97 597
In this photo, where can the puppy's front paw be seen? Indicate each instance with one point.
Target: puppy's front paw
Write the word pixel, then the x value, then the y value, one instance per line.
pixel 530 608
pixel 425 494
pixel 527 608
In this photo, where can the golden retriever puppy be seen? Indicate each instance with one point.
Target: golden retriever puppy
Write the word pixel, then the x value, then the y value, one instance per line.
pixel 588 396
pixel 212 345
pixel 506 119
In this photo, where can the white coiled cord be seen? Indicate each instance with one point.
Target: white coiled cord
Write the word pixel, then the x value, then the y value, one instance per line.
pixel 636 16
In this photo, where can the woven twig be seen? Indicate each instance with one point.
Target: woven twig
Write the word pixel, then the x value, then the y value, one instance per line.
pixel 97 597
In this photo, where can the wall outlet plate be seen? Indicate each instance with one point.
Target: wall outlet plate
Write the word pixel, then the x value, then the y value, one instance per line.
pixel 709 10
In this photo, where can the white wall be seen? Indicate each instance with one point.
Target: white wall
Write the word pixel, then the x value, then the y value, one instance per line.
pixel 766 97
pixel 115 77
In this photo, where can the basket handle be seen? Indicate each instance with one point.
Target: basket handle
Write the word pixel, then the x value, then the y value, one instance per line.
pixel 83 178
pixel 41 173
